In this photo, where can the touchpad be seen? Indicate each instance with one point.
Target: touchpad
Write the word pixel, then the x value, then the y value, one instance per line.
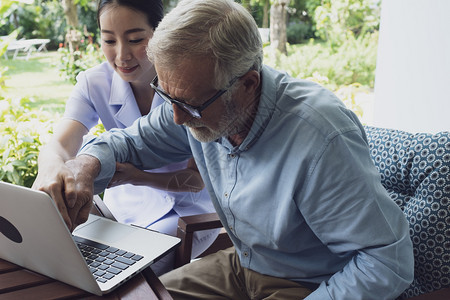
pixel 104 231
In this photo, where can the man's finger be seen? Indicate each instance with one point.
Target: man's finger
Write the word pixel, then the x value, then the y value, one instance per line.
pixel 61 205
pixel 70 193
pixel 73 215
pixel 83 214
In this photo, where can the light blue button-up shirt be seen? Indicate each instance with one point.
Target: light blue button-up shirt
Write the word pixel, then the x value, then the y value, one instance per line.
pixel 300 197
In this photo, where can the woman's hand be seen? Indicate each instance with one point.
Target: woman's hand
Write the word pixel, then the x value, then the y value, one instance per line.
pixel 125 173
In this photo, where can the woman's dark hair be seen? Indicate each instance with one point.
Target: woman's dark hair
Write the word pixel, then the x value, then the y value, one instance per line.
pixel 153 9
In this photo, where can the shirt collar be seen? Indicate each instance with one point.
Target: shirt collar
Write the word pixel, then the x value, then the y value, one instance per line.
pixel 122 95
pixel 120 91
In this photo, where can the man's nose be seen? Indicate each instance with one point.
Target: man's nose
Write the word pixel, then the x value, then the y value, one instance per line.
pixel 179 115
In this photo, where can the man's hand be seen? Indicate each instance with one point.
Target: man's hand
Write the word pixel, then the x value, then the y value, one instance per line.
pixel 78 202
pixel 71 186
pixel 58 181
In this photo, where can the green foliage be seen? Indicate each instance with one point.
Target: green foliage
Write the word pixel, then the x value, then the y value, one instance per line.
pixel 302 10
pixel 97 130
pixel 3 77
pixel 338 20
pixel 298 32
pixel 44 19
pixel 346 70
pixel 6 7
pixel 352 62
pixel 4 42
pixel 348 93
pixel 22 133
pixel 72 63
pixel 87 16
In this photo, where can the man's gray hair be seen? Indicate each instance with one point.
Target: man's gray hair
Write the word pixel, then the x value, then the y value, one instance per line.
pixel 220 30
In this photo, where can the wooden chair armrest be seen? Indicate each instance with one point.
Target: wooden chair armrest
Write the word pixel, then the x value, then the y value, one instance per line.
pixel 156 285
pixel 199 222
pixel 442 294
pixel 188 225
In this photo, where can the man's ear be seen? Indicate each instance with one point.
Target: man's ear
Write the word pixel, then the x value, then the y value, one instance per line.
pixel 251 81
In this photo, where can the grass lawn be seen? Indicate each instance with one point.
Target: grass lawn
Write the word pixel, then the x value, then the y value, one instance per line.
pixel 37 78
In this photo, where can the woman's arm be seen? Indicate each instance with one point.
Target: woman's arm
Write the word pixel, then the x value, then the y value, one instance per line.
pixel 186 180
pixel 53 175
pixel 65 142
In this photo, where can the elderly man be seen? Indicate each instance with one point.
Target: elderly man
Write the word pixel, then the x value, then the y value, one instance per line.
pixel 286 164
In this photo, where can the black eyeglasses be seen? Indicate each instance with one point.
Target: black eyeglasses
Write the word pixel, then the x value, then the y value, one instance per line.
pixel 193 111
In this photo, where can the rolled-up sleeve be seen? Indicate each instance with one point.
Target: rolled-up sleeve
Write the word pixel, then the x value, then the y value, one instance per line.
pixel 151 142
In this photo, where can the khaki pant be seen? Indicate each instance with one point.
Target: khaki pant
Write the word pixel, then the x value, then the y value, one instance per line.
pixel 220 276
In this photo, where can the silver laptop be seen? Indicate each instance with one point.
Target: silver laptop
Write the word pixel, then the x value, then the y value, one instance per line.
pixel 97 257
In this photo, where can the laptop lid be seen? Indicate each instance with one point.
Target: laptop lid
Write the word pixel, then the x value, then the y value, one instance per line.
pixel 34 236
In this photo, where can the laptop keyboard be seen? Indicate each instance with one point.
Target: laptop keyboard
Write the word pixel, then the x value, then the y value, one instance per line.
pixel 104 261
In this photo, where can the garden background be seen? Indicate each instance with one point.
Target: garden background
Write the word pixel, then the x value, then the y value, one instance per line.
pixel 332 42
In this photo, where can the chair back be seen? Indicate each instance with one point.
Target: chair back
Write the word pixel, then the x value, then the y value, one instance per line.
pixel 415 170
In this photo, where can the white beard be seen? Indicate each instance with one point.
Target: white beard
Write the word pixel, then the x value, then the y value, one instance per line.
pixel 231 122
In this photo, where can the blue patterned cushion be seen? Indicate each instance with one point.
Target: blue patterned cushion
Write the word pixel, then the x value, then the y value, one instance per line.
pixel 415 170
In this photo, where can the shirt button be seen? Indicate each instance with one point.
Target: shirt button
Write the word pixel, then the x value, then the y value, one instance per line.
pixel 226 195
pixel 169 199
pixel 245 254
pixel 231 228
pixel 232 156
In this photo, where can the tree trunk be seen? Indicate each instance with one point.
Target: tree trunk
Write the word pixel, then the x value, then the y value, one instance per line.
pixel 278 37
pixel 70 10
pixel 265 23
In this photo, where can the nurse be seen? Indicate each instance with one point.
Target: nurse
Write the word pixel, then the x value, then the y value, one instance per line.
pixel 118 92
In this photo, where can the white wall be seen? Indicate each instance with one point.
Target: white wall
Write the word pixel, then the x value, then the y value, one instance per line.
pixel 412 81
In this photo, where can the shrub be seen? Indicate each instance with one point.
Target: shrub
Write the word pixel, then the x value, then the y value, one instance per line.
pixel 22 133
pixel 86 56
pixel 298 32
pixel 354 61
pixel 346 70
pixel 337 20
pixel 45 19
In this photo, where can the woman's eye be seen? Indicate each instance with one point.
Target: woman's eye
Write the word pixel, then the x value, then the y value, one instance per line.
pixel 136 41
pixel 109 42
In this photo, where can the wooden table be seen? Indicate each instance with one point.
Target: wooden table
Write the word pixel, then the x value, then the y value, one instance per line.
pixel 19 283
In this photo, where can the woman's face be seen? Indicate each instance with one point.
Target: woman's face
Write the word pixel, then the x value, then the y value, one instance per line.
pixel 125 34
